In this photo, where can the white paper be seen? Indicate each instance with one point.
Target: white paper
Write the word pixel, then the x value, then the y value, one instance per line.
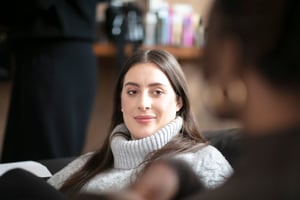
pixel 34 167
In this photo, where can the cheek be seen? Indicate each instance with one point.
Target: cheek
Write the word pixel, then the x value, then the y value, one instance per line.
pixel 169 106
pixel 126 103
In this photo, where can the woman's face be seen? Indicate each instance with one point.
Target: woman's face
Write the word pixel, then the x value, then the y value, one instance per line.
pixel 148 100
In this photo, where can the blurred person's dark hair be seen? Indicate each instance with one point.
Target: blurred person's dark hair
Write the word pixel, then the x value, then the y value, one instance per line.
pixel 268 34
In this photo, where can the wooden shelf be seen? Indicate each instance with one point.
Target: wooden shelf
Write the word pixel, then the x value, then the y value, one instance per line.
pixel 181 53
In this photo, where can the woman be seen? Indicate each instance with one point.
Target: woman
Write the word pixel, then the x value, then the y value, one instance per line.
pixel 252 65
pixel 151 118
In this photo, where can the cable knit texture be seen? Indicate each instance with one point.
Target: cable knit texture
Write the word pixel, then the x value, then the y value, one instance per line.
pixel 210 165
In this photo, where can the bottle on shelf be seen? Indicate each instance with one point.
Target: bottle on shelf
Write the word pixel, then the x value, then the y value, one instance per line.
pixel 150 28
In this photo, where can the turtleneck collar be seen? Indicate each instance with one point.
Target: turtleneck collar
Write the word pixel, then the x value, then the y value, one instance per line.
pixel 129 154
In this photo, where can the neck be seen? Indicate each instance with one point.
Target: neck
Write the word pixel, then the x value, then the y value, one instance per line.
pixel 129 154
pixel 269 109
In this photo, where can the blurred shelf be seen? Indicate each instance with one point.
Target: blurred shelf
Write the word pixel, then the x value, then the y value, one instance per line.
pixel 181 53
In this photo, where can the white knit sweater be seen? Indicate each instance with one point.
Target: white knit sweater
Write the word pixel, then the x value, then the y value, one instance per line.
pixel 210 165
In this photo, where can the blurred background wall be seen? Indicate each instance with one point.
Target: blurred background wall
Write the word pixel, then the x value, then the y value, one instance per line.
pixel 107 74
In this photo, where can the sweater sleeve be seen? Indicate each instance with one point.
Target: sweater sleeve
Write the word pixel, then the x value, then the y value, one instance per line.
pixel 210 165
pixel 58 179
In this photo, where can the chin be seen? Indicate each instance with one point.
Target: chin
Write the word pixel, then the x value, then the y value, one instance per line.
pixel 144 134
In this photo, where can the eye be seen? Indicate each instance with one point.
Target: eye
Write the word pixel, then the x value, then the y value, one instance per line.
pixel 131 92
pixel 158 92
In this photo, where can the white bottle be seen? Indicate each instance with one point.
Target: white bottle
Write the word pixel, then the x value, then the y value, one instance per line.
pixel 150 28
pixel 200 34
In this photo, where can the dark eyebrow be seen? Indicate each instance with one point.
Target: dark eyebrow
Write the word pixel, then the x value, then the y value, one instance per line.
pixel 137 85
pixel 156 84
pixel 132 84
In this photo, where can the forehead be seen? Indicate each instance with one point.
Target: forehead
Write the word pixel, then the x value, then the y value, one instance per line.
pixel 146 73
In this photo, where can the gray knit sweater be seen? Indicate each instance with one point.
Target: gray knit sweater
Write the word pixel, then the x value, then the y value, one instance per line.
pixel 210 165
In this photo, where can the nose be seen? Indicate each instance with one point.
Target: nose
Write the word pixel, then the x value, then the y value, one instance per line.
pixel 144 102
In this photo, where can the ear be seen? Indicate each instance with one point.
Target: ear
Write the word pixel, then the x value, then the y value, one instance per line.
pixel 179 104
pixel 231 58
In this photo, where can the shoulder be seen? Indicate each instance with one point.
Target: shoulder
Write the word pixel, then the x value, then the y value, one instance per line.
pixel 60 177
pixel 205 155
pixel 210 165
pixel 210 152
pixel 211 159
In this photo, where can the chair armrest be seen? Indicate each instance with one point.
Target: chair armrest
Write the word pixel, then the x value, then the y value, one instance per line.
pixel 54 165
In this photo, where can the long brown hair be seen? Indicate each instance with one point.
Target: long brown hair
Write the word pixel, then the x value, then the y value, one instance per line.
pixel 185 141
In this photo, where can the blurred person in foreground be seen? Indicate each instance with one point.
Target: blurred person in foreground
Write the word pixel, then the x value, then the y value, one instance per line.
pixel 252 68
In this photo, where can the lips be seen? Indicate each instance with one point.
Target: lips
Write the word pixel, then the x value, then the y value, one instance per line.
pixel 144 118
